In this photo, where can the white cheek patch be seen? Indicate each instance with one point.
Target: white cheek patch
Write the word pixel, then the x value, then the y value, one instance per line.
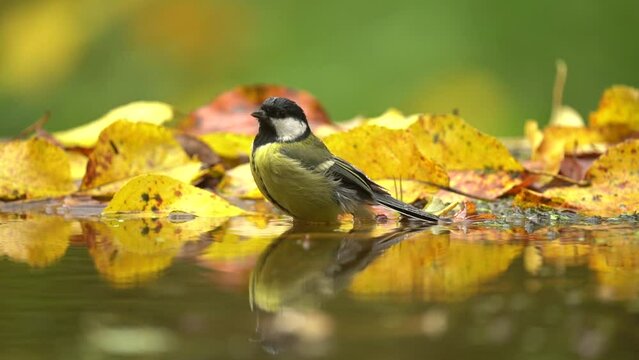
pixel 288 129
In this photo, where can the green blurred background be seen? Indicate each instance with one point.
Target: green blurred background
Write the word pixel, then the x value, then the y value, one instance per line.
pixel 492 60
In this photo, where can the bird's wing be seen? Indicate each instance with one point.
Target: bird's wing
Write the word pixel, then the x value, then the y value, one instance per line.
pixel 353 178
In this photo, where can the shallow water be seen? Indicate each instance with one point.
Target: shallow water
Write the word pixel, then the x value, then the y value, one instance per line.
pixel 249 288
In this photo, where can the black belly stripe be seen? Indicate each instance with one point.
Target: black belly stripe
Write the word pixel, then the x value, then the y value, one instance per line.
pixel 266 193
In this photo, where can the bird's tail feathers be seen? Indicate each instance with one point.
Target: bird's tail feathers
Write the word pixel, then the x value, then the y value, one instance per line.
pixel 405 209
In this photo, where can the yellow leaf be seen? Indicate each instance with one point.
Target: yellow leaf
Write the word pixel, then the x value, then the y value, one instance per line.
pixel 477 163
pixel 383 153
pixel 38 240
pixel 393 119
pixel 407 191
pixel 229 145
pixel 449 140
pixel 152 195
pixel 185 173
pixel 78 163
pixel 238 182
pixel 557 141
pixel 615 184
pixel 127 149
pixel 33 169
pixel 129 252
pixel 141 111
pixel 619 105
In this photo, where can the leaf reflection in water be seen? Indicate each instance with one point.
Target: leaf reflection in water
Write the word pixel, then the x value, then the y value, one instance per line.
pixel 132 251
pixel 35 239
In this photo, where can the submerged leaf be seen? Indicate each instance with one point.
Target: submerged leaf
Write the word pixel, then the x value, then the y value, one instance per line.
pixel 127 149
pixel 141 111
pixel 33 168
pixel 152 195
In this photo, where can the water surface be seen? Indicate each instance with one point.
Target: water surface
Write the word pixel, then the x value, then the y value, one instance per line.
pixel 250 288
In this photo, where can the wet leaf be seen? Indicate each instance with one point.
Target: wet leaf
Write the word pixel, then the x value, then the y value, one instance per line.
pixel 615 184
pixel 384 153
pixel 153 195
pixel 86 136
pixel 230 111
pixel 127 149
pixel 37 240
pixel 33 169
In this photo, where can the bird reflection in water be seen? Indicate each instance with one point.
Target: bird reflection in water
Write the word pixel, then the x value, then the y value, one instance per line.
pixel 301 268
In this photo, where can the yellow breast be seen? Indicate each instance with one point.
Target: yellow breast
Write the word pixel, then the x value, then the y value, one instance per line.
pixel 302 193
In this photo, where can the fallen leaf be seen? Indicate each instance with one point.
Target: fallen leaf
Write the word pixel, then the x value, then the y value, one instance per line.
pixel 196 148
pixel 230 111
pixel 619 105
pixel 127 149
pixel 78 163
pixel 86 136
pixel 154 195
pixel 229 145
pixel 238 183
pixel 407 191
pixel 383 153
pixel 33 169
pixel 35 239
pixel 615 184
pixel 477 163
pixel 449 140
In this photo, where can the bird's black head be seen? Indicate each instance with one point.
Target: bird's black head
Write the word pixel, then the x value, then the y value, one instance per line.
pixel 279 108
pixel 281 120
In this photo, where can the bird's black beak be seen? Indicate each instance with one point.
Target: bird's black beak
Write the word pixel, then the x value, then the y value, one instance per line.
pixel 259 114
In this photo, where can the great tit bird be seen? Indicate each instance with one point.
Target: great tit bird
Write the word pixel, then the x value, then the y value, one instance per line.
pixel 297 173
